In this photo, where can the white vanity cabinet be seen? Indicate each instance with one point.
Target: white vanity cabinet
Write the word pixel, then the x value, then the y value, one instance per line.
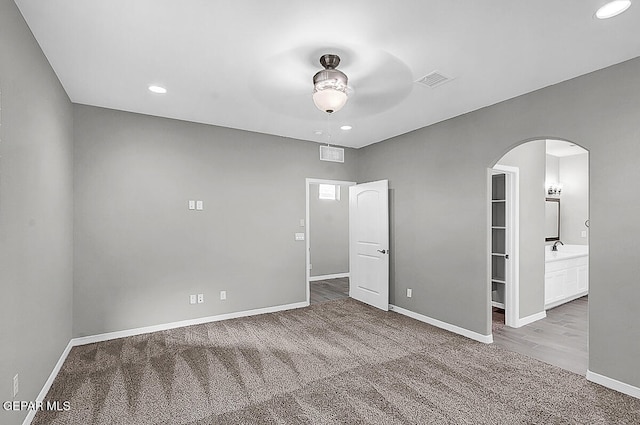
pixel 566 278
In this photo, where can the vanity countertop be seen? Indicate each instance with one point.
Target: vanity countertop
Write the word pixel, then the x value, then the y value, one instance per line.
pixel 565 252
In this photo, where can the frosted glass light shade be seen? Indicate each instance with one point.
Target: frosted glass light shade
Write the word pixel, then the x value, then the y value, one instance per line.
pixel 329 100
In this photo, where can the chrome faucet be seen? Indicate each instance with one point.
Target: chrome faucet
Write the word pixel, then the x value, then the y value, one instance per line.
pixel 555 245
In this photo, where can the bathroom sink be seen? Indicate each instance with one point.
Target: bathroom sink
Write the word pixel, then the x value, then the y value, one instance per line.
pixel 565 251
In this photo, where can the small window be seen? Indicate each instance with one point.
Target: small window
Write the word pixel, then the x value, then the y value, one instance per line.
pixel 329 191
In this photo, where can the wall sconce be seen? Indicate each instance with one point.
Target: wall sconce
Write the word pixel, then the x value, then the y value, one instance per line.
pixel 554 189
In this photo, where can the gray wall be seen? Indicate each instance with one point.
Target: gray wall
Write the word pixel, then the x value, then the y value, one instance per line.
pixel 35 213
pixel 439 205
pixel 530 159
pixel 134 175
pixel 574 210
pixel 329 232
pixel 140 253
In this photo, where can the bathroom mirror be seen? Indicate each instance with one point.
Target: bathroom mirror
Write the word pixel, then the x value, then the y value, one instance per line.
pixel 552 219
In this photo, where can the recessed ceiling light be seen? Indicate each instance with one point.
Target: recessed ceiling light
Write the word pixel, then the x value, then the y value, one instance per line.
pixel 346 127
pixel 612 9
pixel 157 89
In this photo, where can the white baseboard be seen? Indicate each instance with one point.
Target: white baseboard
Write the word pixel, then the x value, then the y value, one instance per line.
pixel 328 276
pixel 49 382
pixel 486 339
pixel 166 326
pixel 614 384
pixel 565 300
pixel 530 319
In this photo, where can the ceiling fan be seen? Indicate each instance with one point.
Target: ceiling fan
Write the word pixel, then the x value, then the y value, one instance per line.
pixel 376 81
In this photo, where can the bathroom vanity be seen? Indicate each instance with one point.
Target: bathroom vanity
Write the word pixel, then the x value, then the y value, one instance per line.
pixel 566 274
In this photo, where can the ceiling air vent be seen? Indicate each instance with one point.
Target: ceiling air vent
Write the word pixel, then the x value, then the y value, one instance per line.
pixel 329 153
pixel 434 79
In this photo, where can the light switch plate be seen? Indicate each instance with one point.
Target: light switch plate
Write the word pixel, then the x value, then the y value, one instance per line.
pixel 409 292
pixel 192 299
pixel 299 236
pixel 302 222
pixel 199 205
pixel 192 205
pixel 583 233
pixel 223 295
pixel 200 298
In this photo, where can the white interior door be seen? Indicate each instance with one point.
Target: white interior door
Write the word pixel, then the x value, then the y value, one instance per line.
pixel 369 243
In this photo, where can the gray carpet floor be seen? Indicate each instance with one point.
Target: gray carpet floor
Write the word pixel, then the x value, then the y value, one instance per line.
pixel 338 362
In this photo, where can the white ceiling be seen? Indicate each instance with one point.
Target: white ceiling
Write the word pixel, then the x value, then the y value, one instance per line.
pixel 561 148
pixel 248 64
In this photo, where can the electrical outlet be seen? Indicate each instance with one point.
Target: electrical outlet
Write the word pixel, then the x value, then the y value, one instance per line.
pixel 199 205
pixel 409 292
pixel 200 298
pixel 192 299
pixel 16 385
pixel 223 295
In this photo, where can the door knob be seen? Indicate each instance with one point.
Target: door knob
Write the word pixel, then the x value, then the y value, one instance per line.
pixel 383 251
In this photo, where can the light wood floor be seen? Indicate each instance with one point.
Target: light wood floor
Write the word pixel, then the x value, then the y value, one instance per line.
pixel 330 289
pixel 559 339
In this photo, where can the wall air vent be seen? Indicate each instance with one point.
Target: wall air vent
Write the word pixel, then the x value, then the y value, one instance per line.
pixel 330 153
pixel 434 79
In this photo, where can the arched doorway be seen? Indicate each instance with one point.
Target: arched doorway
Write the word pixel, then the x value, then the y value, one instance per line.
pixel 544 289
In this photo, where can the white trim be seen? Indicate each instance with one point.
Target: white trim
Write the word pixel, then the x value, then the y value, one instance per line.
pixel 530 319
pixel 163 327
pixel 328 276
pixel 327 181
pixel 486 339
pixel 512 287
pixel 614 384
pixel 489 277
pixel 309 181
pixel 47 385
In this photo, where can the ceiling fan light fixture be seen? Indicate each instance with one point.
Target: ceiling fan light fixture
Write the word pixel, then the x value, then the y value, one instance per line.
pixel 329 100
pixel 330 85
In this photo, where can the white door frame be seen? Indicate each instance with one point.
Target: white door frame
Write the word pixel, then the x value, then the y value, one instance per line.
pixel 309 182
pixel 512 287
